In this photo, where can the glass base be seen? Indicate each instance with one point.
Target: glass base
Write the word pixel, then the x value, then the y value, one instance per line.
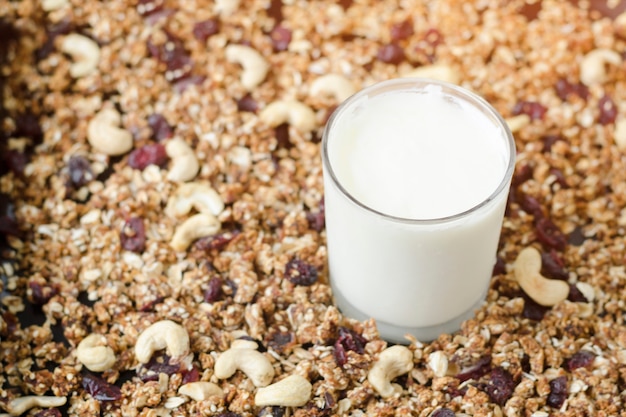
pixel 395 334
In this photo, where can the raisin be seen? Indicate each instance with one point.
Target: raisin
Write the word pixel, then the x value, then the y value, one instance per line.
pixel 161 129
pixel 576 237
pixel 247 104
pixel 205 29
pixel 99 389
pixel 281 37
pixel 500 386
pixel 580 359
pixel 443 412
pixel 151 154
pixel 575 295
pixel 299 272
pixel 559 177
pixel 531 206
pixel 133 235
pixel 282 136
pixel 608 110
pixel 80 171
pixel 214 292
pixel 552 266
pixel 533 310
pixel 401 30
pixel 391 53
pixel 533 109
pixel 558 392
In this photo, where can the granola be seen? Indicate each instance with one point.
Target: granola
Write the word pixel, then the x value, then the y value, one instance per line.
pixel 86 229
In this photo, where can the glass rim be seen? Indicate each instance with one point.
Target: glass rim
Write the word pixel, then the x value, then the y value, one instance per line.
pixel 398 84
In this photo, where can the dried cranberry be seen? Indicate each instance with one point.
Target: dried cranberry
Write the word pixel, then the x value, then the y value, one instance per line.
pixel 549 141
pixel 151 154
pixel 531 108
pixel 500 386
pixel 39 294
pixel 533 310
pixel 345 3
pixel 580 359
pixel 16 161
pixel 552 266
pixel 443 412
pixel 147 7
pixel 133 235
pixel 80 171
pixel 247 104
pixel 401 30
pixel 531 206
pixel 153 18
pixel 157 365
pixel 190 375
pixel 559 177
pixel 316 220
pixel 161 129
pixel 391 53
pixel 186 81
pixel 205 29
pixel 608 110
pixel 214 292
pixel 477 370
pixel 558 392
pixel 279 340
pixel 347 340
pixel 48 412
pixel 216 242
pixel 549 234
pixel 61 27
pixel 281 37
pixel 530 10
pixel 27 124
pixel 564 89
pixel 99 389
pixel 523 174
pixel 299 272
pixel 173 54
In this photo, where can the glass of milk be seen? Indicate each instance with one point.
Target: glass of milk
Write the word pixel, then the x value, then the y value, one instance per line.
pixel 416 178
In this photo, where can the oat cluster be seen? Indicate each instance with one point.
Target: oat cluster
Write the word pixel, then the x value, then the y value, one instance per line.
pixel 162 241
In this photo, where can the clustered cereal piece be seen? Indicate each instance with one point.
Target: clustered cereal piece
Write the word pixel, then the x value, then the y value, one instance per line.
pixel 160 166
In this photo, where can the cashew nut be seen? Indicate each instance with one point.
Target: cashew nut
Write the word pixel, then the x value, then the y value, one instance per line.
pixel 542 290
pixel 436 72
pixel 293 391
pixel 195 227
pixel 516 123
pixel 200 196
pixel 185 164
pixel 93 353
pixel 164 334
pixel 18 406
pixel 593 65
pixel 392 362
pixel 255 67
pixel 52 5
pixel 201 390
pixel 226 7
pixel 438 362
pixel 293 112
pixel 334 85
pixel 105 135
pixel 84 51
pixel 251 362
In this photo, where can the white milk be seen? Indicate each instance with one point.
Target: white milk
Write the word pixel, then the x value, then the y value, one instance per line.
pixel 410 163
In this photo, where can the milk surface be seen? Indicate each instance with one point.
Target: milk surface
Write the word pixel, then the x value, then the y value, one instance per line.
pixel 418 155
pixel 413 155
